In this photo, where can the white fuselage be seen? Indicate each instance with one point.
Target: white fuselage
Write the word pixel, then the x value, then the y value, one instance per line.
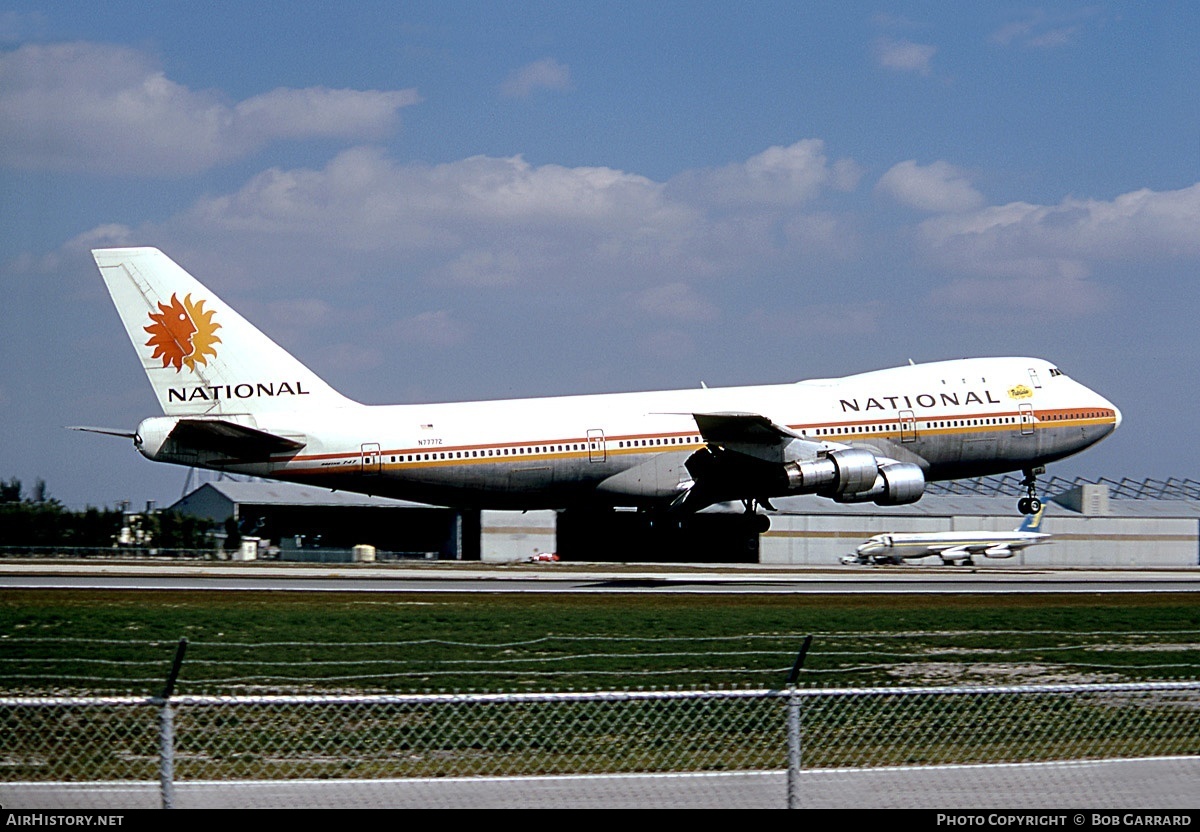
pixel 950 546
pixel 961 418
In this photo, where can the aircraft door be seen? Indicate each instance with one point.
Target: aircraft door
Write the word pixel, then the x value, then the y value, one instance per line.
pixel 1025 411
pixel 908 426
pixel 371 458
pixel 597 449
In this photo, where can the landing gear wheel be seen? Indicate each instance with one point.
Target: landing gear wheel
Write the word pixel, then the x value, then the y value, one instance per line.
pixel 1030 504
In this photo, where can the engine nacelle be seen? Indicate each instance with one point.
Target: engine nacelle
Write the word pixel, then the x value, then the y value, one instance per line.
pixel 838 472
pixel 152 435
pixel 896 484
pixel 998 552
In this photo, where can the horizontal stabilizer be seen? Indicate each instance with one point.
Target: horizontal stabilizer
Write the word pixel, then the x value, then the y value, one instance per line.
pixel 125 434
pixel 231 439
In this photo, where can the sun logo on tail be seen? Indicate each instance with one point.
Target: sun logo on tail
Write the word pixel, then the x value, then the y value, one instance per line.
pixel 183 333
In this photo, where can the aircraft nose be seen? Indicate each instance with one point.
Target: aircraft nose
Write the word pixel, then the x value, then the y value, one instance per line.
pixel 1105 403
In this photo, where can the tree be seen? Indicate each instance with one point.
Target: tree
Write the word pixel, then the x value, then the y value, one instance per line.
pixel 10 492
pixel 182 531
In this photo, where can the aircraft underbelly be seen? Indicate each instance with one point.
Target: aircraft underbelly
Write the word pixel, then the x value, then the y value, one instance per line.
pixel 951 457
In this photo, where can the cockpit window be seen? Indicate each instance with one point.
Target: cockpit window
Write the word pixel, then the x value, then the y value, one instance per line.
pixel 1054 371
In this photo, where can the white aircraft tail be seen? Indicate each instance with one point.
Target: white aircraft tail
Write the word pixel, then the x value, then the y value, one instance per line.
pixel 202 357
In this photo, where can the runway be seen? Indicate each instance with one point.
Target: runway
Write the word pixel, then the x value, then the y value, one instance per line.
pixel 454 577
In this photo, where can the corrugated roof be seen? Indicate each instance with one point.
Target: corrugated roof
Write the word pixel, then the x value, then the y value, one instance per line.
pixel 291 494
pixel 1171 489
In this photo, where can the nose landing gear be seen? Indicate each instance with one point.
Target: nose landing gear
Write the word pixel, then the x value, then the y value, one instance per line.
pixel 1030 504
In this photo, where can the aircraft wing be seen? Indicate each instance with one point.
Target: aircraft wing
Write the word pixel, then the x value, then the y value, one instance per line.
pixel 948 552
pixel 755 436
pixel 964 549
pixel 744 451
pixel 741 428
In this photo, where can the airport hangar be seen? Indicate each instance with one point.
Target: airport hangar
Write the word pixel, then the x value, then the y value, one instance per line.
pixel 1107 523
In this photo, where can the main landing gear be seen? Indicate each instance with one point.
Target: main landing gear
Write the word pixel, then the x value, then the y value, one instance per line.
pixel 760 523
pixel 1030 504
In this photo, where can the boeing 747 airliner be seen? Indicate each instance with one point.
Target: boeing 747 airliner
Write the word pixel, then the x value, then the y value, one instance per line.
pixel 233 400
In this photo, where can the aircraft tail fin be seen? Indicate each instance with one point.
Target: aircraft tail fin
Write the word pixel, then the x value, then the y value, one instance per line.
pixel 202 357
pixel 1032 522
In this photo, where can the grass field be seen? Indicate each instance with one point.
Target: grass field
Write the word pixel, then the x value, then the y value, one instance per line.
pixel 57 640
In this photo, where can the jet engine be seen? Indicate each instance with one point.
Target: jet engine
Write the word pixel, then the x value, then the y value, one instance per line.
pixel 847 475
pixel 854 475
pixel 897 483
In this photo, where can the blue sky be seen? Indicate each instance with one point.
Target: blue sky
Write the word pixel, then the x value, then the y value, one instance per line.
pixel 449 201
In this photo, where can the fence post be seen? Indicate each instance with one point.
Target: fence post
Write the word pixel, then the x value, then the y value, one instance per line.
pixel 793 728
pixel 793 743
pixel 166 755
pixel 166 732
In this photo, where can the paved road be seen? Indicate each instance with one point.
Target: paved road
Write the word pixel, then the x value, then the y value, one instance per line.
pixel 560 578
pixel 1155 783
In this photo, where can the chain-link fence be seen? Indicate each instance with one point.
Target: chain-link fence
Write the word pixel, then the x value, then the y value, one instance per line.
pixel 1093 746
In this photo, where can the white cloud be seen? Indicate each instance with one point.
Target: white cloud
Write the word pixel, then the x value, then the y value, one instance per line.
pixel 1040 30
pixel 938 187
pixel 367 200
pixel 1066 240
pixel 105 109
pixel 545 74
pixel 489 227
pixel 487 222
pixel 777 176
pixel 904 55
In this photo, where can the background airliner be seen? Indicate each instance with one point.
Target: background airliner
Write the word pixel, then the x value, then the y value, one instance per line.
pixel 235 401
pixel 951 547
